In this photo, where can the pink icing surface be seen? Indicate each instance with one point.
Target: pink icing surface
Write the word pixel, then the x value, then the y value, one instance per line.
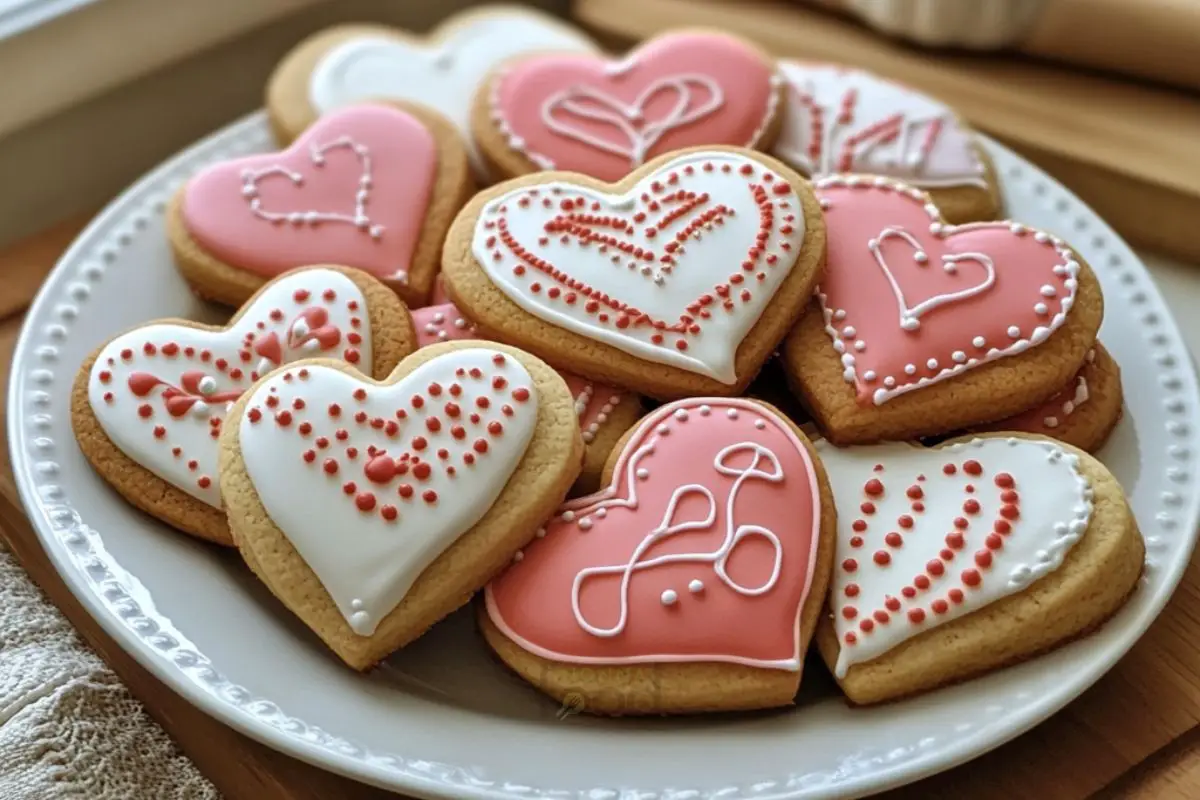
pixel 445 323
pixel 624 103
pixel 683 603
pixel 399 163
pixel 971 323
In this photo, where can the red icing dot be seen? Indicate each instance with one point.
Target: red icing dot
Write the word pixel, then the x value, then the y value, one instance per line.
pixel 334 409
pixel 921 582
pixel 851 590
pixel 935 567
pixel 433 424
pixel 421 471
pixel 961 522
pixel 983 558
pixel 894 539
pixel 881 617
pixel 956 595
pixel 1009 512
pixel 495 428
pixel 406 490
pixel 867 508
pixel 144 410
pixel 419 443
pixel 389 513
pixel 873 487
pixel 892 604
pixel 1002 526
pixel 480 445
pixel 330 466
pixel 955 540
pixel 973 468
pixel 859 525
pixel 429 496
pixel 304 428
pixel 949 469
pixel 856 541
pixel 849 565
pixel 310 456
pixel 360 394
pixel 971 506
pixel 435 389
pixel 882 558
pixel 850 637
pixel 849 612
pixel 365 501
pixel 521 394
pixel 1009 496
pixel 866 625
pixel 994 541
pixel 915 492
pixel 254 414
pixel 159 431
pixel 1004 480
pixel 940 606
pixel 204 482
pixel 905 521
pixel 916 616
pixel 971 577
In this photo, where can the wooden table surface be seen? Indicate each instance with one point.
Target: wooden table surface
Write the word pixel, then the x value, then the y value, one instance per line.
pixel 1134 734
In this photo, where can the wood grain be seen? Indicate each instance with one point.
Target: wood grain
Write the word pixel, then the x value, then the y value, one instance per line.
pixel 1128 149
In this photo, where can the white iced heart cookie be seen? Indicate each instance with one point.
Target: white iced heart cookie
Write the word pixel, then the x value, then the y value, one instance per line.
pixel 158 394
pixel 346 65
pixel 342 492
pixel 695 264
pixel 842 120
pixel 937 546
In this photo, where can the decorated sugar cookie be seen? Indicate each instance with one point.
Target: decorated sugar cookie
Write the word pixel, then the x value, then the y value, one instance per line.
pixel 372 187
pixel 692 582
pixel 843 120
pixel 922 328
pixel 604 412
pixel 679 280
pixel 148 406
pixel 1083 413
pixel 373 509
pixel 348 64
pixel 954 560
pixel 605 118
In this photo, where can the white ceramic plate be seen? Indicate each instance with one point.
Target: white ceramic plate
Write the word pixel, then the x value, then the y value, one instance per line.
pixel 442 718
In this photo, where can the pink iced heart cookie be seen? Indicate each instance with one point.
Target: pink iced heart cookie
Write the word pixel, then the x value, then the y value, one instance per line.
pixel 372 187
pixel 604 412
pixel 582 113
pixel 679 280
pixel 841 120
pixel 960 558
pixel 919 316
pixel 149 405
pixel 374 509
pixel 708 551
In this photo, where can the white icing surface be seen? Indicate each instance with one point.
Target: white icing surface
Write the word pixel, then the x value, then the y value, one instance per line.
pixel 366 562
pixel 929 148
pixel 443 75
pixel 191 432
pixel 708 258
pixel 1055 503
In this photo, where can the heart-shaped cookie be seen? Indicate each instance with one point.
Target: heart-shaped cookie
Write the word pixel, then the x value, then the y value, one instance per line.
pixel 349 64
pixel 960 558
pixel 679 280
pixel 372 187
pixel 841 120
pixel 604 412
pixel 148 406
pixel 373 509
pixel 926 328
pixel 603 118
pixel 707 555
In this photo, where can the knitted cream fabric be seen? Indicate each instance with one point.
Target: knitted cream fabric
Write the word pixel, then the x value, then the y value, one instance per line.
pixel 68 727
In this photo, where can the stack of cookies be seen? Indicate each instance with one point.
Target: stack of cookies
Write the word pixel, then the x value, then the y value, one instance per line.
pixel 505 304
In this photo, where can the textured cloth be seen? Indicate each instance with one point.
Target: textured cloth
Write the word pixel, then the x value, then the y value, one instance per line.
pixel 68 727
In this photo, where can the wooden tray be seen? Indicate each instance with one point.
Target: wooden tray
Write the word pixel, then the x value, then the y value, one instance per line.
pixel 1128 150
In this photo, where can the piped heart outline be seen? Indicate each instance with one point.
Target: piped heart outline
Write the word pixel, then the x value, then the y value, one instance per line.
pixel 691 554
pixel 743 94
pixel 160 392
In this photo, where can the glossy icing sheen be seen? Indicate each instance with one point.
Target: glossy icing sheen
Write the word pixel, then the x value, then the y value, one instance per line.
pixel 602 118
pixel 161 392
pixel 352 190
pixel 846 120
pixel 702 549
pixel 443 74
pixel 593 401
pixel 909 301
pixel 371 483
pixel 671 271
pixel 928 535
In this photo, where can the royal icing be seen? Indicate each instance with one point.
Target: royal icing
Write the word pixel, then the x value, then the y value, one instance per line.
pixel 161 392
pixel 847 120
pixel 928 535
pixel 1055 411
pixel 372 483
pixel 702 549
pixel 676 270
pixel 443 75
pixel 594 403
pixel 602 118
pixel 353 190
pixel 909 301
